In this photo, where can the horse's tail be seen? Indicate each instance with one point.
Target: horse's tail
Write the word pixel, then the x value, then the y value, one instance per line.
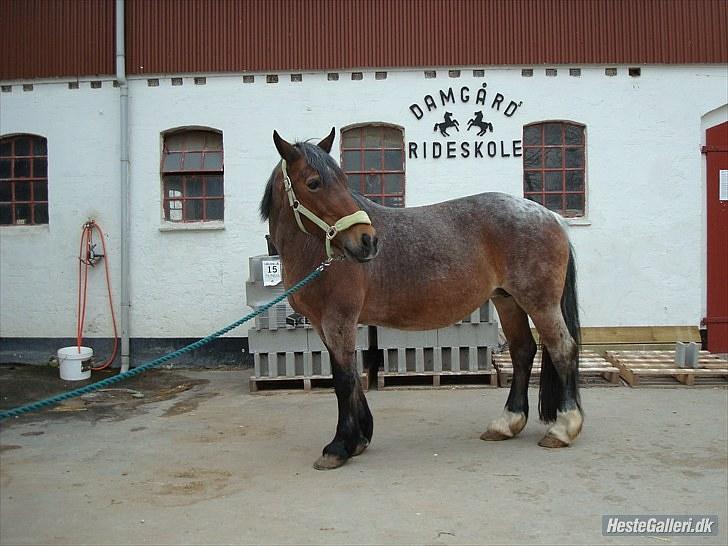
pixel 551 387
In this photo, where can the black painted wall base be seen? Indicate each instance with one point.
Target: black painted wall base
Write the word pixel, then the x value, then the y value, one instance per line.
pixel 225 351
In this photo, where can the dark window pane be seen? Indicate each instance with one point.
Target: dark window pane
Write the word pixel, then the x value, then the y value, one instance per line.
pixel 213 141
pixel 373 138
pixel 6 191
pixel 40 191
pixel 374 184
pixel 535 197
pixel 6 148
pixel 4 168
pixel 394 201
pixel 552 158
pixel 22 168
pixel 532 181
pixel 393 160
pixel 532 158
pixel 172 162
pixel 193 210
pixel 574 134
pixel 193 161
pixel 22 191
pixel 6 215
pixel 213 186
pixel 351 161
pixel 532 135
pixel 554 181
pixel 553 202
pixel 175 142
pixel 194 187
pixel 392 138
pixel 354 182
pixel 393 183
pixel 552 133
pixel 22 146
pixel 352 138
pixel 39 146
pixel 41 214
pixel 215 209
pixel 574 180
pixel 173 186
pixel 574 204
pixel 574 157
pixel 213 161
pixel 40 168
pixel 22 214
pixel 372 160
pixel 195 141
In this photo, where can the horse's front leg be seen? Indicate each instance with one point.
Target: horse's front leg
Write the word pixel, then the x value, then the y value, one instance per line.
pixel 355 424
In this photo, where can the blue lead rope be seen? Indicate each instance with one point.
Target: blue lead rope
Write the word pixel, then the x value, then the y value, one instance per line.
pixel 47 402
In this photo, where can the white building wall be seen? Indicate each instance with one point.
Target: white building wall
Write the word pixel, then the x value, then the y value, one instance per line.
pixel 640 248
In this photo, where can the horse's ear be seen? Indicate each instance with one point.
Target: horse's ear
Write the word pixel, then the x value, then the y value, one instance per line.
pixel 287 150
pixel 326 143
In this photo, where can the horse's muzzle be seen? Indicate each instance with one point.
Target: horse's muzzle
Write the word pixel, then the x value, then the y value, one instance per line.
pixel 366 249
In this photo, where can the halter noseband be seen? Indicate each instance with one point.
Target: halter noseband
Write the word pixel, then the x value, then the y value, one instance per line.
pixel 359 217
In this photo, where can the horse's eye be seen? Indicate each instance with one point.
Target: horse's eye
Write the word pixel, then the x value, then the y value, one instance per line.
pixel 313 184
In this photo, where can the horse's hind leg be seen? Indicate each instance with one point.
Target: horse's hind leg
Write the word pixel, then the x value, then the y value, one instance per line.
pixel 522 349
pixel 355 425
pixel 559 392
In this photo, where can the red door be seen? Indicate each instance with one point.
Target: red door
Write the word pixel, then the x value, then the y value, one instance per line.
pixel 716 152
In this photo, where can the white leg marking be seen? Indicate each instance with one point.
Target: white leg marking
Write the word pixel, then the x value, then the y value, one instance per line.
pixel 567 425
pixel 509 423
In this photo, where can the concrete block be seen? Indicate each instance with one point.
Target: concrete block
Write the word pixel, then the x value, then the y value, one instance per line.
pixel 389 338
pixel 468 334
pixel 275 341
pixel 687 354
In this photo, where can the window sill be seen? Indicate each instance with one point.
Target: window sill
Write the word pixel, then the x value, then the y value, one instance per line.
pixel 22 228
pixel 192 226
pixel 578 221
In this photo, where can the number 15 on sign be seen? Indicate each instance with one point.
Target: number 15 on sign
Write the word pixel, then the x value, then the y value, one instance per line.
pixel 271 272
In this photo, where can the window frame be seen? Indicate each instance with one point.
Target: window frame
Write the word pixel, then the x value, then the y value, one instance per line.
pixel 32 203
pixel 563 169
pixel 186 176
pixel 362 172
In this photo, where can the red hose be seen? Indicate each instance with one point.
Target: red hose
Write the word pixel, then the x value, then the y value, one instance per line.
pixel 84 260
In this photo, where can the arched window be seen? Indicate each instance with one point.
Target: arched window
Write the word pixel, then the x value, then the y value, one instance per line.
pixel 23 180
pixel 554 159
pixel 372 156
pixel 192 176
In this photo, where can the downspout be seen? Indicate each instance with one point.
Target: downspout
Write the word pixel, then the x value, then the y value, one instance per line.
pixel 124 181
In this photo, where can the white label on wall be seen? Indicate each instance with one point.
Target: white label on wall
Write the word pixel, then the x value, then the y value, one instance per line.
pixel 271 272
pixel 723 183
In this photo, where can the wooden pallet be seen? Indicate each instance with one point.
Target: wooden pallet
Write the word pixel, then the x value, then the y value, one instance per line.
pixel 593 369
pixel 430 380
pixel 656 368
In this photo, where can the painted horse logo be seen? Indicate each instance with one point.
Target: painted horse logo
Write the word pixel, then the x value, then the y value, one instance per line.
pixel 445 125
pixel 484 126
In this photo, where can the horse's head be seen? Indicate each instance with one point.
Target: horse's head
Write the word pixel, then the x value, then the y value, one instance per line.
pixel 322 204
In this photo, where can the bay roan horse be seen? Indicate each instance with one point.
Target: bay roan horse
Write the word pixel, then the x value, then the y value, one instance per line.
pixel 422 268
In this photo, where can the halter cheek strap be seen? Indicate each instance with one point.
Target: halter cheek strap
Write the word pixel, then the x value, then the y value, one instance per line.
pixel 359 217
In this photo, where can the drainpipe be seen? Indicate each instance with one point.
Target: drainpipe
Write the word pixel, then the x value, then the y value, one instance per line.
pixel 124 181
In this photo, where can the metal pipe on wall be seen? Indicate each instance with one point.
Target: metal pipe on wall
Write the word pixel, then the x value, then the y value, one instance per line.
pixel 124 181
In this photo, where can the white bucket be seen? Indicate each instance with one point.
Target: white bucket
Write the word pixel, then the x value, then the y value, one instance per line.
pixel 75 364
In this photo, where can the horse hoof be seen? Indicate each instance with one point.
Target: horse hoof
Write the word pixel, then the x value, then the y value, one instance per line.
pixel 363 444
pixel 328 462
pixel 552 442
pixel 494 436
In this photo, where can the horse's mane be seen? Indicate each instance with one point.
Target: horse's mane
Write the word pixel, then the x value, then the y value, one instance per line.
pixel 317 158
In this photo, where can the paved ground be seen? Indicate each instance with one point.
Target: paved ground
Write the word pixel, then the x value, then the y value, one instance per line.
pixel 199 460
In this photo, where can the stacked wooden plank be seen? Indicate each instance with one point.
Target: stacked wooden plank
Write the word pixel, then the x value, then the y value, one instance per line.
pixel 656 368
pixel 593 369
